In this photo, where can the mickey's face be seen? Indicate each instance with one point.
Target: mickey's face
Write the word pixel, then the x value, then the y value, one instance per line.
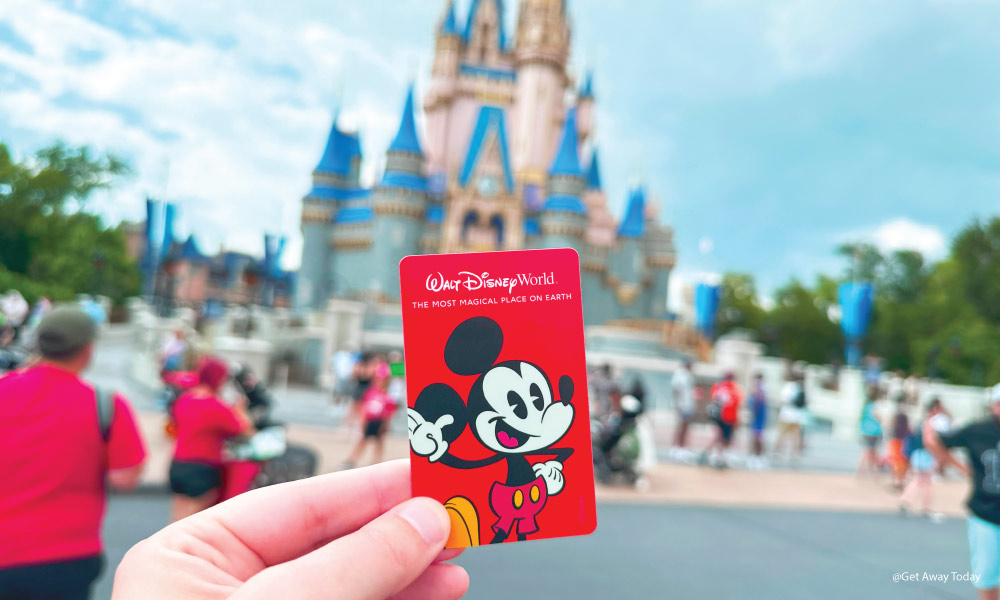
pixel 513 411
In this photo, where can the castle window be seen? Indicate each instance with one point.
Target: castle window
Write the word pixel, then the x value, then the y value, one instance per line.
pixel 470 221
pixel 496 224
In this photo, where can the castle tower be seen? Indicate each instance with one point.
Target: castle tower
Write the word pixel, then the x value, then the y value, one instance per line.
pixel 473 67
pixel 399 203
pixel 660 257
pixel 599 301
pixel 540 56
pixel 444 80
pixel 333 179
pixel 563 218
pixel 627 275
pixel 485 37
pixel 601 229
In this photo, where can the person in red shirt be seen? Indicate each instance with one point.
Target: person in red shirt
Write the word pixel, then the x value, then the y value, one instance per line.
pixel 62 440
pixel 204 422
pixel 725 397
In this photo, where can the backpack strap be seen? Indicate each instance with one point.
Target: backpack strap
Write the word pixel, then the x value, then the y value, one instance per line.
pixel 105 411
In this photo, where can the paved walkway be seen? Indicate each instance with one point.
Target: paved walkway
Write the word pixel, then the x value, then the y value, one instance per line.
pixel 669 483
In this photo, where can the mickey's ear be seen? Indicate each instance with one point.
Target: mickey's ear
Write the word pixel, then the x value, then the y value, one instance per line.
pixel 474 346
pixel 437 400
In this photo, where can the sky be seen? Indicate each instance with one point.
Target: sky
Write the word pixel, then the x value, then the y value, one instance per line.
pixel 768 132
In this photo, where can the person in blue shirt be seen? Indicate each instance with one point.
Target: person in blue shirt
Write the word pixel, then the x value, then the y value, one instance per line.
pixel 758 412
pixel 871 435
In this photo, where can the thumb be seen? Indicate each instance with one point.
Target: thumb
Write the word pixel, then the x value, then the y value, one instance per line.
pixel 377 561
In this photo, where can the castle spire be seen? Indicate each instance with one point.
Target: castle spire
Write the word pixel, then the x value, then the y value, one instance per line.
pixel 406 139
pixel 342 151
pixel 594 173
pixel 587 89
pixel 449 25
pixel 567 160
pixel 473 19
pixel 634 223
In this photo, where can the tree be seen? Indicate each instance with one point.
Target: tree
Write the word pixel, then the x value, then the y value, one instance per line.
pixel 800 328
pixel 977 254
pixel 49 244
pixel 864 261
pixel 738 305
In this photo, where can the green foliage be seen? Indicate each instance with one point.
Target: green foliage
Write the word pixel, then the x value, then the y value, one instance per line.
pixel 940 320
pixel 799 327
pixel 738 305
pixel 49 244
pixel 977 250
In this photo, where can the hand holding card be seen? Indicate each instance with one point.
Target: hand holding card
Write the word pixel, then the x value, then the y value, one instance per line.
pixel 494 352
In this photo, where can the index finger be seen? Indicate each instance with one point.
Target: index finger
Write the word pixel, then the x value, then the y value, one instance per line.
pixel 283 522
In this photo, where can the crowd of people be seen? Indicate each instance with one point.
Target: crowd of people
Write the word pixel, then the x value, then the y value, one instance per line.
pixel 51 527
pixel 727 407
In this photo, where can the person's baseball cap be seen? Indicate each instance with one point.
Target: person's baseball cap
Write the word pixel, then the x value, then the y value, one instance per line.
pixel 65 331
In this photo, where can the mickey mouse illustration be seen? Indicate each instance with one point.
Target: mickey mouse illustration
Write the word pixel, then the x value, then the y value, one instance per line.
pixel 511 410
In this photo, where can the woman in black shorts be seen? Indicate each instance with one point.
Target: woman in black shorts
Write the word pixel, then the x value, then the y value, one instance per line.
pixel 204 422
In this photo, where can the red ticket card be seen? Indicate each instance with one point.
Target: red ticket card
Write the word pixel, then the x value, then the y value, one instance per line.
pixel 497 392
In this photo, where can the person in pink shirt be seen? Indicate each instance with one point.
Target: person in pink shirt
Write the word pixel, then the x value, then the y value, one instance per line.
pixel 63 439
pixel 377 407
pixel 204 422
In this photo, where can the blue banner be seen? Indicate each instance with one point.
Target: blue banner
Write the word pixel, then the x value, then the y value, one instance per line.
pixel 856 300
pixel 274 247
pixel 706 306
pixel 168 230
pixel 149 257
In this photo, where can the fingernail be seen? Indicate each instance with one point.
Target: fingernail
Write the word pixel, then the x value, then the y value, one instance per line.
pixel 428 518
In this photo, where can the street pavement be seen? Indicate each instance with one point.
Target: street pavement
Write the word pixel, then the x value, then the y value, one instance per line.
pixel 681 552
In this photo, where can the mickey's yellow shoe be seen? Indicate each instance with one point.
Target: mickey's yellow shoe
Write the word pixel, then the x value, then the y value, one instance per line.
pixel 464 523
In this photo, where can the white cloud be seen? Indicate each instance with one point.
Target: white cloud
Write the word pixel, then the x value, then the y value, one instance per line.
pixel 904 234
pixel 901 234
pixel 242 121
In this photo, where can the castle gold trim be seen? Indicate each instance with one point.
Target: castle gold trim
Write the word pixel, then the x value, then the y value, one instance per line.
pixel 315 214
pixel 403 209
pixel 666 262
pixel 351 243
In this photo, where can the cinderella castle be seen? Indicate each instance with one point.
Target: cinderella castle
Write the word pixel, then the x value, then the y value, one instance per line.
pixel 506 162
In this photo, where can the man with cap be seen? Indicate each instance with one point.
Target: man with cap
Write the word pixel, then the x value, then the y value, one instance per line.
pixel 62 440
pixel 982 442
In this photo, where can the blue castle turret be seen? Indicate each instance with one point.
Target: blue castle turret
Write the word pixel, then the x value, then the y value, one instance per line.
pixel 391 214
pixel 626 262
pixel 598 298
pixel 335 184
pixel 563 218
pixel 400 203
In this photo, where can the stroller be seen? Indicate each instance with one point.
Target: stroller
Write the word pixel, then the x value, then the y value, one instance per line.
pixel 280 461
pixel 617 445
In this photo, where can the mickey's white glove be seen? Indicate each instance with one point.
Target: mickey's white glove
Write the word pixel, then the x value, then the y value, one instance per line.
pixel 426 438
pixel 551 472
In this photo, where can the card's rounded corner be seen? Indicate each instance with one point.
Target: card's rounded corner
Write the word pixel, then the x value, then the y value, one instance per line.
pixel 405 259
